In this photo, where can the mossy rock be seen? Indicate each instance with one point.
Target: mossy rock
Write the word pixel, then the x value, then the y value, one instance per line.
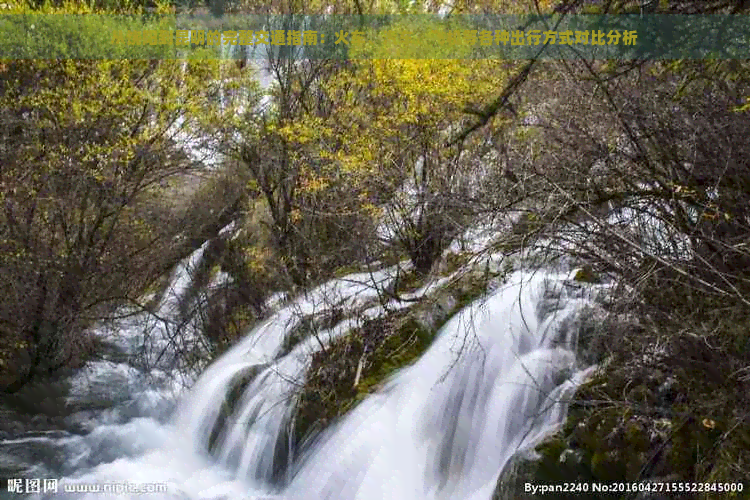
pixel 408 281
pixel 239 320
pixel 229 405
pixel 624 431
pixel 342 271
pixel 432 314
pixel 472 286
pixel 587 275
pixel 392 342
pixel 409 341
pixel 155 292
pixel 452 262
pixel 548 469
pixel 328 391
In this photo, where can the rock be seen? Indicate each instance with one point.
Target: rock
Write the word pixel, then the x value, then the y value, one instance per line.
pixel 587 333
pixel 451 262
pixel 529 468
pixel 660 431
pixel 586 275
pixel 11 466
pixel 439 310
pixel 42 423
pixel 81 422
pixel 9 424
pixel 519 470
pixel 27 453
pixel 571 457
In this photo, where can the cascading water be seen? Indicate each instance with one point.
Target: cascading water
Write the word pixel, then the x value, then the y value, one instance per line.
pixel 115 406
pixel 444 427
pixel 494 381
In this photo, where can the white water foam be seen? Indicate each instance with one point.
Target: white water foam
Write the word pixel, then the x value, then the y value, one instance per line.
pixel 494 381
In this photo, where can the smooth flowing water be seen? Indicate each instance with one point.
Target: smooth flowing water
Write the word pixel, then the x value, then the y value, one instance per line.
pixel 494 381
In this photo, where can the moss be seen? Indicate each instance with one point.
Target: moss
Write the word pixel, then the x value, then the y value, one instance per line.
pixel 474 285
pixel 455 261
pixel 155 291
pixel 607 465
pixel 347 270
pixel 469 294
pixel 228 406
pixel 623 429
pixel 552 448
pixel 392 342
pixel 609 443
pixel 402 348
pixel 592 9
pixel 556 463
pixel 635 436
pixel 215 270
pixel 586 275
pixel 409 281
pixel 296 335
pixel 328 391
pixel 239 319
pixel 642 394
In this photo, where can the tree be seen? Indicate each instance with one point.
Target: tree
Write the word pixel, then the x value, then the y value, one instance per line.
pixel 84 143
pixel 392 113
pixel 313 224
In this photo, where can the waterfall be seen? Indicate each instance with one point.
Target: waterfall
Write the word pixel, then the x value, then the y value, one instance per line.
pixel 147 373
pixel 157 338
pixel 444 427
pixel 495 380
pixel 269 396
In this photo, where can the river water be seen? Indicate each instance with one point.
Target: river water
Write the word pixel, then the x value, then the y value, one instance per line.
pixel 495 380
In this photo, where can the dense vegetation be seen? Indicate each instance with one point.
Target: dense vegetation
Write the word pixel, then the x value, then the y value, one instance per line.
pixel 639 169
